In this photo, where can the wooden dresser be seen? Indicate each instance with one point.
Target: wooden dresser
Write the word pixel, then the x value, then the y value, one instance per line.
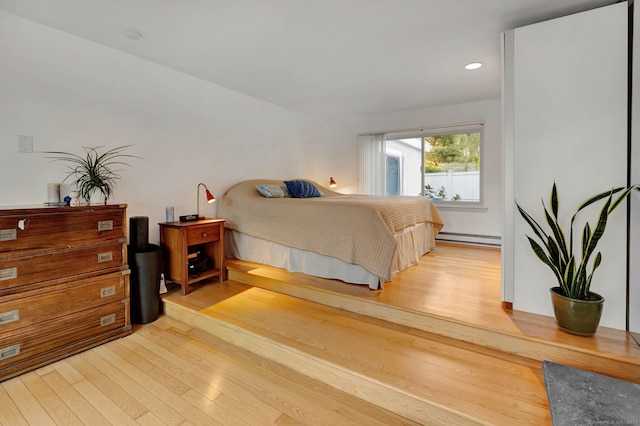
pixel 64 283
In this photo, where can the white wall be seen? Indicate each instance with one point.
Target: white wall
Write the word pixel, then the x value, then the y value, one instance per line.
pixel 67 92
pixel 569 95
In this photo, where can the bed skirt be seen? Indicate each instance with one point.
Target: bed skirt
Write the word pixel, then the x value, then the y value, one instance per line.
pixel 413 243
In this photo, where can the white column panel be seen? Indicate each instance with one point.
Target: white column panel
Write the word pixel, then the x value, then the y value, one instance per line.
pixel 568 125
pixel 507 166
pixel 634 249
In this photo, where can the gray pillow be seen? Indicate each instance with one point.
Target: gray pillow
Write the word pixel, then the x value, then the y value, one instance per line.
pixel 270 190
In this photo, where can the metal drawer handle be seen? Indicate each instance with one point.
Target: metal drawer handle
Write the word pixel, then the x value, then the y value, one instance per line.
pixel 105 225
pixel 9 351
pixel 108 291
pixel 11 316
pixel 105 257
pixel 204 234
pixel 107 319
pixel 8 234
pixel 9 273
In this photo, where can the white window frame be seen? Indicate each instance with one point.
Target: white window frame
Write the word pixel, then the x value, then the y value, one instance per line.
pixel 422 133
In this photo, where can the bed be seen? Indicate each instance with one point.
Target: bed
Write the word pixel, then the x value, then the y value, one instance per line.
pixel 359 239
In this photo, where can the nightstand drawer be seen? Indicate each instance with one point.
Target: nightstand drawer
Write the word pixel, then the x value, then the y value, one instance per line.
pixel 203 234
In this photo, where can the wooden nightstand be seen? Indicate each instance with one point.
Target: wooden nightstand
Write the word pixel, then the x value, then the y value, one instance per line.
pixel 180 240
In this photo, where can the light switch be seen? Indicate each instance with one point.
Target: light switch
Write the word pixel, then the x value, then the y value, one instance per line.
pixel 25 143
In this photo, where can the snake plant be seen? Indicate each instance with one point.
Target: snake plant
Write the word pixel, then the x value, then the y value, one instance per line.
pixel 571 266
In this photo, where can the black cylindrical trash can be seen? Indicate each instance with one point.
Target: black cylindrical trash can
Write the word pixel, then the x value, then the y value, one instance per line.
pixel 145 284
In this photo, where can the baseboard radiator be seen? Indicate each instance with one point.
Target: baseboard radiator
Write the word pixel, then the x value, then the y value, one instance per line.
pixel 475 239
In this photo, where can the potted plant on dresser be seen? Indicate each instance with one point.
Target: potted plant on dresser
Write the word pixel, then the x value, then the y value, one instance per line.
pixel 577 309
pixel 93 174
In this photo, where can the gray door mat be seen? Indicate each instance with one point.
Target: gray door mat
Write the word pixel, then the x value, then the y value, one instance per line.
pixel 579 397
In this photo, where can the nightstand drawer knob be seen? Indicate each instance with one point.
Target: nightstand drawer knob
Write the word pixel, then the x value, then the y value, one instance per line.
pixel 204 234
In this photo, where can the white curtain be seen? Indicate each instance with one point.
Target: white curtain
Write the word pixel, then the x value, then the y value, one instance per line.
pixel 372 164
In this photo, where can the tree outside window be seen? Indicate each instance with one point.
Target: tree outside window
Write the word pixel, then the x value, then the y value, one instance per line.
pixel 452 167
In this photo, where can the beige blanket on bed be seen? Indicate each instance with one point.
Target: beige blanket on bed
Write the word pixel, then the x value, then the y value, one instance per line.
pixel 357 229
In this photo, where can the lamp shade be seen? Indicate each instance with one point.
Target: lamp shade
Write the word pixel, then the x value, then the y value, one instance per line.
pixel 210 197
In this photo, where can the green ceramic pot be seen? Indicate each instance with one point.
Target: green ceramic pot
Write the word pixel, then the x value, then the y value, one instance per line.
pixel 580 317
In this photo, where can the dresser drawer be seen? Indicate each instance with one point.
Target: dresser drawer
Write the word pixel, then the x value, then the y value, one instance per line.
pixel 41 266
pixel 31 307
pixel 203 234
pixel 40 339
pixel 60 230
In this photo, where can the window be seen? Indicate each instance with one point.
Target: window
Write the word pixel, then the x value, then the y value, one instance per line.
pixel 442 164
pixel 394 172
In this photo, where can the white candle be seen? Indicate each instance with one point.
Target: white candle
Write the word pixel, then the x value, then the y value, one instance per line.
pixel 169 213
pixel 53 192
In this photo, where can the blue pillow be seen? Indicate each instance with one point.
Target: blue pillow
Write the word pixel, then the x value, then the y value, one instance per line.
pixel 302 189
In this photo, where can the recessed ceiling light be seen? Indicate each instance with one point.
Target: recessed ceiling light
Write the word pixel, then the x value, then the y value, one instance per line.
pixel 133 34
pixel 473 66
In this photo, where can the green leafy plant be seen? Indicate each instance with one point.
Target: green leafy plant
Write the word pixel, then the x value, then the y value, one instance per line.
pixel 556 251
pixel 440 194
pixel 93 170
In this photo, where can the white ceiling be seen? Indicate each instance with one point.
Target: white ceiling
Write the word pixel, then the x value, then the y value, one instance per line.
pixel 318 57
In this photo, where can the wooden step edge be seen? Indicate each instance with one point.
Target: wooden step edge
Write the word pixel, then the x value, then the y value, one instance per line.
pixel 389 397
pixel 516 344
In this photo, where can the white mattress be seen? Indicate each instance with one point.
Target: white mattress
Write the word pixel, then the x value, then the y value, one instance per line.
pixel 413 243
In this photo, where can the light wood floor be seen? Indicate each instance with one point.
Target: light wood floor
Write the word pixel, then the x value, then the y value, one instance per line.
pixel 168 372
pixel 462 284
pixel 423 377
